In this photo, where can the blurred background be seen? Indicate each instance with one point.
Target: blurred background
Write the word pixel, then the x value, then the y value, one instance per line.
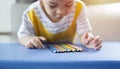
pixel 104 16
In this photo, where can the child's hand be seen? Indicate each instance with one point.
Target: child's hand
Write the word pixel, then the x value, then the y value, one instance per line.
pixel 35 42
pixel 91 41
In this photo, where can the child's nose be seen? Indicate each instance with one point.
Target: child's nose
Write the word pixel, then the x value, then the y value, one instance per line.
pixel 60 12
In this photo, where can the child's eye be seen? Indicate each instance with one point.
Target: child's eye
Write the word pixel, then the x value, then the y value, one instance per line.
pixel 52 6
pixel 69 5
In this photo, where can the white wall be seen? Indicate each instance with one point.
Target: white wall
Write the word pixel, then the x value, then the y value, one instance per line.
pixel 105 20
pixel 5 21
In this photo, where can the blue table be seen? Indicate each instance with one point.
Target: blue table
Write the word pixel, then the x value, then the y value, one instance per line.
pixel 16 56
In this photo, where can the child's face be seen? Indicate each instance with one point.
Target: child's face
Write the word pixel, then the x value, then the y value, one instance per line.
pixel 57 9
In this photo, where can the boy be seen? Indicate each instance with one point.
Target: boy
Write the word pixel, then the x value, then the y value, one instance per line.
pixel 56 21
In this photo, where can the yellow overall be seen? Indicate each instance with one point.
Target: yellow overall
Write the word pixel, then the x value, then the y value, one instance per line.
pixel 67 35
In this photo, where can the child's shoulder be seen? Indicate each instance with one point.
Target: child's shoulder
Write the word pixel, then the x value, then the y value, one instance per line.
pixel 79 1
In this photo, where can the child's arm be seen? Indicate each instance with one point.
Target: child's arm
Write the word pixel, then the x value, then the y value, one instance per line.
pixel 83 26
pixel 32 42
pixel 26 34
pixel 91 41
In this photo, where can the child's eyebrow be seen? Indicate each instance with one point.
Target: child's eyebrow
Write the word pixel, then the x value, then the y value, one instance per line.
pixel 69 2
pixel 53 3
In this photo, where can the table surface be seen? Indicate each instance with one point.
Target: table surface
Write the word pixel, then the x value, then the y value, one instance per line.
pixel 14 55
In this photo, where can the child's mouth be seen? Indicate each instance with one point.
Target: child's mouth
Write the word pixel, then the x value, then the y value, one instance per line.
pixel 59 17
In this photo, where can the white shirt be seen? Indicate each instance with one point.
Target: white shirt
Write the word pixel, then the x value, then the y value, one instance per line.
pixel 26 27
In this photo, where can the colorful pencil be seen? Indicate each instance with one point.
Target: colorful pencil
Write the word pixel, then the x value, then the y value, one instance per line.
pixel 67 49
pixel 78 48
pixel 53 49
pixel 59 48
pixel 71 49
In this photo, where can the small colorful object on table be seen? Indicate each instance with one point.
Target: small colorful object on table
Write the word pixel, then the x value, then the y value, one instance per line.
pixel 61 48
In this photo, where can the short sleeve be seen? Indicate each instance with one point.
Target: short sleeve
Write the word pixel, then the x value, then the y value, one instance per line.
pixel 26 27
pixel 83 24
